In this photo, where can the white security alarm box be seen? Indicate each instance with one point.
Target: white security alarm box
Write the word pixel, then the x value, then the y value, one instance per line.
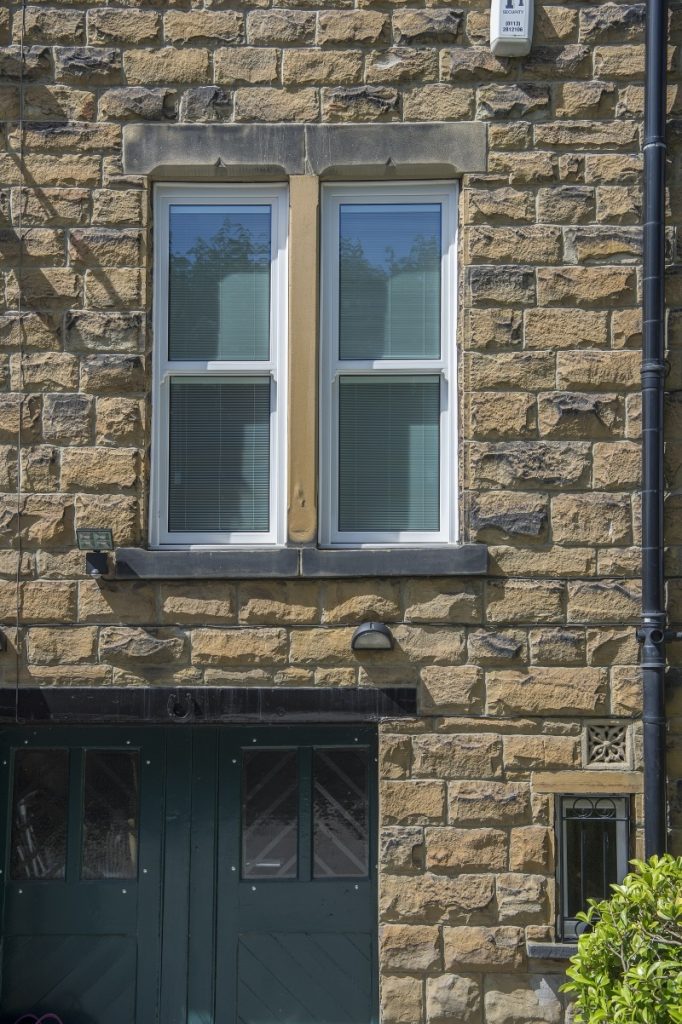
pixel 511 27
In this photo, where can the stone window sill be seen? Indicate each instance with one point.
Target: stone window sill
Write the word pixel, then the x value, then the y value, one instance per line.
pixel 551 950
pixel 299 563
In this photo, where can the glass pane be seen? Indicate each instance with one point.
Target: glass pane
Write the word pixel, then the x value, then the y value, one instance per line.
pixel 39 814
pixel 341 814
pixel 269 814
pixel 110 813
pixel 219 459
pixel 592 863
pixel 219 282
pixel 389 453
pixel 389 304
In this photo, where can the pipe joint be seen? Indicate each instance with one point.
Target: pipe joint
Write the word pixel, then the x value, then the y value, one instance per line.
pixel 652 637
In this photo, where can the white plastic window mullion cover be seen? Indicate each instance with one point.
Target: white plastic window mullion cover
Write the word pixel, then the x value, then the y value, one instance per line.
pixel 218 457
pixel 387 415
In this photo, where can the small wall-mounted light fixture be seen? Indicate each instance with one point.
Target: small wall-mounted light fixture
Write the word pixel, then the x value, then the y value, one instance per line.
pixel 96 541
pixel 372 636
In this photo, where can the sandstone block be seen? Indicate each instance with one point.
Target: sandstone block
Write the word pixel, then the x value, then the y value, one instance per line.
pixel 596 371
pixel 451 690
pixel 588 286
pixel 92 64
pixel 616 169
pixel 413 948
pixel 276 105
pixel 412 803
pixel 592 243
pixel 48 601
pixel 488 803
pixel 464 756
pixel 537 753
pixel 569 61
pixel 46 371
pixel 428 26
pixel 442 600
pixel 33 63
pixel 619 204
pixel 67 419
pixel 116 602
pixel 402 848
pixel 466 849
pixel 508 370
pixel 167 64
pixel 611 646
pixel 94 469
pixel 395 757
pixel 138 103
pixel 483 949
pixel 566 204
pixel 586 99
pixel 576 414
pixel 116 27
pixel 119 512
pixel 427 644
pixel 521 897
pixel 351 27
pixel 39 469
pixel 441 102
pixel 277 603
pixel 108 247
pixel 321 646
pixel 59 102
pixel 524 168
pixel 531 849
pixel 205 103
pixel 619 61
pixel 503 101
pixel 126 645
pixel 106 373
pixel 212 602
pixel 67 646
pixel 525 601
pixel 503 285
pixel 182 27
pixel 559 646
pixel 280 27
pixel 432 898
pixel 115 288
pixel 467 62
pixel 49 25
pixel 535 1000
pixel 401 64
pixel 355 601
pixel 310 67
pixel 592 518
pixel 612 23
pixel 520 464
pixel 542 691
pixel 503 515
pixel 401 1000
pixel 557 561
pixel 242 646
pixel 626 328
pixel 46 520
pixel 44 288
pixel 53 206
pixel 119 421
pixel 452 997
pixel 359 103
pixel 250 64
pixel 497 646
pixel 496 205
pixel 626 690
pixel 88 331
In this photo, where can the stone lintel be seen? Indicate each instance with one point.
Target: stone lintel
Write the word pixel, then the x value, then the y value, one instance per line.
pixel 275 151
pixel 588 781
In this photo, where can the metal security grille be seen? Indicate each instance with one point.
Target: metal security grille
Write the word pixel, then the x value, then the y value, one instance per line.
pixel 593 841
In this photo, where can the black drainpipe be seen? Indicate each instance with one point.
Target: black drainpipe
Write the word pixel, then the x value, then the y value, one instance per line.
pixel 652 633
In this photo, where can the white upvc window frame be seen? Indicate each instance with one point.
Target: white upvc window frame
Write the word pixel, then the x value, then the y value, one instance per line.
pixel 164 369
pixel 332 368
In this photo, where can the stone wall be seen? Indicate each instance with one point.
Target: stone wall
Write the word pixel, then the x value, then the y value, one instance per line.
pixel 508 668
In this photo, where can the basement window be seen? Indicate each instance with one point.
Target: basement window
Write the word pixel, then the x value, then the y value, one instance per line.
pixel 593 842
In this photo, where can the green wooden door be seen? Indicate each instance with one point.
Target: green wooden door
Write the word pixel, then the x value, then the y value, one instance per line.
pixel 190 875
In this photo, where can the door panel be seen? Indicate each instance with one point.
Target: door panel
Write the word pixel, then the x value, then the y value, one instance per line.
pixel 190 875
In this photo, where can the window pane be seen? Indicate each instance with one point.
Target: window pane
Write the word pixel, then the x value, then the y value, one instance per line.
pixel 219 458
pixel 389 453
pixel 269 814
pixel 219 302
pixel 39 814
pixel 341 814
pixel 110 813
pixel 389 304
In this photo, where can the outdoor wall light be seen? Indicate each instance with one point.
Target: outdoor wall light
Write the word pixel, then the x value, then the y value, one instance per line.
pixel 372 636
pixel 96 542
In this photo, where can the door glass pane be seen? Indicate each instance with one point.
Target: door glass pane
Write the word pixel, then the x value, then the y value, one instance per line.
pixel 219 286
pixel 269 814
pixel 219 458
pixel 389 453
pixel 39 814
pixel 389 303
pixel 340 814
pixel 110 813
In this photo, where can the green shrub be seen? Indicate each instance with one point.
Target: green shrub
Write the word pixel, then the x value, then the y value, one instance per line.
pixel 628 968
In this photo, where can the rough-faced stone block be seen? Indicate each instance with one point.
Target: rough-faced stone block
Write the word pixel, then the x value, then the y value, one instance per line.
pixel 488 803
pixel 483 949
pixel 401 1000
pixel 453 997
pixel 409 947
pixel 449 690
pixel 592 518
pixel 543 691
pixel 244 646
pixel 412 803
pixel 525 601
pixel 466 849
pixel 464 756
pixel 531 1000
